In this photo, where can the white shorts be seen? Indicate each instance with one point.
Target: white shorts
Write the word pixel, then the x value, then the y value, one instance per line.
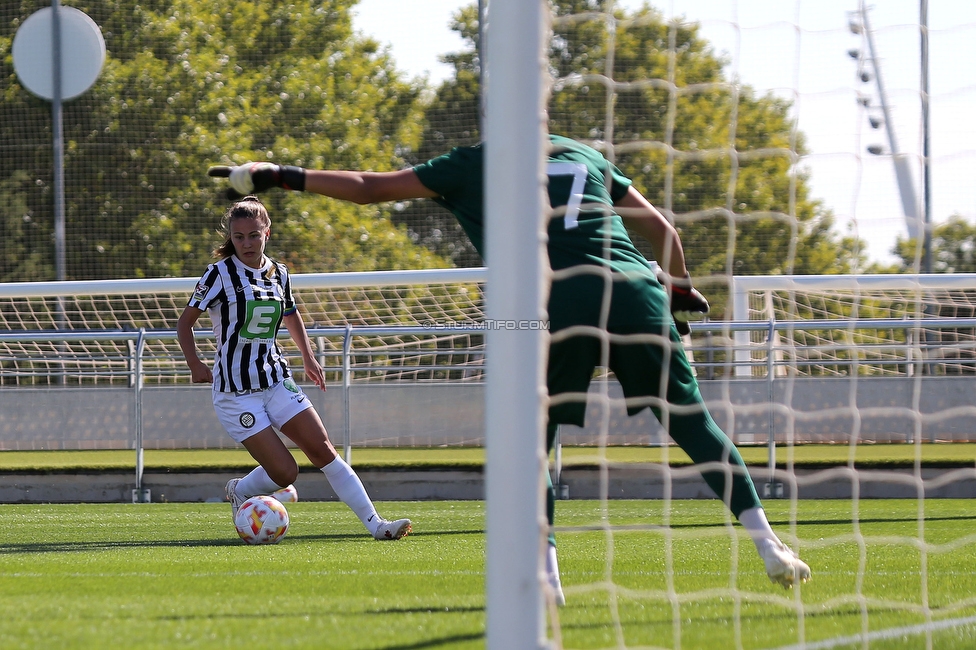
pixel 245 413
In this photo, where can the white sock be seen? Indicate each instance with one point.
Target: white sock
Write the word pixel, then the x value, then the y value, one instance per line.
pixel 256 482
pixel 552 565
pixel 347 486
pixel 755 522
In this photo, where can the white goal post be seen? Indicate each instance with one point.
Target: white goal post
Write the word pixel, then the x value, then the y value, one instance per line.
pixel 515 204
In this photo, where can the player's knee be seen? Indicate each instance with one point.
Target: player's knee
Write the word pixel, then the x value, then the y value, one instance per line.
pixel 285 474
pixel 321 455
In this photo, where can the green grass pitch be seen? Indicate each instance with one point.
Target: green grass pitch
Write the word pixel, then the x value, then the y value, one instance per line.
pixel 175 575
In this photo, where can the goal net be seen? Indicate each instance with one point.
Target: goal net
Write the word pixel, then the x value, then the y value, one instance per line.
pixel 432 308
pixel 868 325
pixel 403 351
pixel 730 164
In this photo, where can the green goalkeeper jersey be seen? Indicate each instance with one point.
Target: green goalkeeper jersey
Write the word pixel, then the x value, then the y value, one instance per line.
pixel 590 233
pixel 580 179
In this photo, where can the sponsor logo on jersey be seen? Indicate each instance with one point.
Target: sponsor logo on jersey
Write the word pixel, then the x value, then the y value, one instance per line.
pixel 247 420
pixel 261 319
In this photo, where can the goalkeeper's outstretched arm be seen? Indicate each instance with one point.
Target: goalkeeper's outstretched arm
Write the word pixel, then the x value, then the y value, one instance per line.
pixel 367 187
pixel 354 186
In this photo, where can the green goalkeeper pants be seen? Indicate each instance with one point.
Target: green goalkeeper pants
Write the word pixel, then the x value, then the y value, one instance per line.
pixel 645 354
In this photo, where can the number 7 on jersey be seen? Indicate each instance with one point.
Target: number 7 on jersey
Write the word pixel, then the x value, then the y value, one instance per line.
pixel 578 172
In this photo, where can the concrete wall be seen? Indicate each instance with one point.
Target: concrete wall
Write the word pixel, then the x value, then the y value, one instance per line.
pixel 628 482
pixel 815 410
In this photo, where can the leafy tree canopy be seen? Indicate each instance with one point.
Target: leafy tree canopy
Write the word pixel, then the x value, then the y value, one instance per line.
pixel 192 83
pixel 718 158
pixel 953 246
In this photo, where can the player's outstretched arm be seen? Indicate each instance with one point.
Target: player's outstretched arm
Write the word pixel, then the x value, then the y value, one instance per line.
pixel 357 187
pixel 367 187
pixel 255 177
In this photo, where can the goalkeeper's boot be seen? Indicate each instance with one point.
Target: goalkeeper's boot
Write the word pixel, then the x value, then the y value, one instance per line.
pixel 556 587
pixel 392 529
pixel 782 565
pixel 235 501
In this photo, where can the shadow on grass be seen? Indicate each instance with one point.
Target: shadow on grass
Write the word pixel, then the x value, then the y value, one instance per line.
pixel 665 621
pixel 427 610
pixel 76 547
pixel 782 522
pixel 108 545
pixel 364 535
pixel 442 642
pixel 871 520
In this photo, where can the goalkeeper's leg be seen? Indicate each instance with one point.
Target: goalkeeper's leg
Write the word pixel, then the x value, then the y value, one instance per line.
pixel 552 565
pixel 690 425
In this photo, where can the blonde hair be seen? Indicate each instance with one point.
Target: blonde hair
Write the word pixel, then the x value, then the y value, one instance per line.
pixel 250 207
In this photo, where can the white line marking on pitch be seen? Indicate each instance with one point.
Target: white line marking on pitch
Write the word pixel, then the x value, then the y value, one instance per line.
pixel 883 634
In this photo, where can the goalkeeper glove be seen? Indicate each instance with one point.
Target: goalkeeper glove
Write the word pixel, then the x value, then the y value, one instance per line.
pixel 686 301
pixel 254 177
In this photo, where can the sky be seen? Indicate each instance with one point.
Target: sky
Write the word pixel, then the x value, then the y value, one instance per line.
pixel 798 50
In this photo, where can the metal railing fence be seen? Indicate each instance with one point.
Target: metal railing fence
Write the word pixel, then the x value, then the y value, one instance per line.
pixel 776 359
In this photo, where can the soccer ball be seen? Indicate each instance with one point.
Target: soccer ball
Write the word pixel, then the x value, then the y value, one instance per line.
pixel 261 520
pixel 286 494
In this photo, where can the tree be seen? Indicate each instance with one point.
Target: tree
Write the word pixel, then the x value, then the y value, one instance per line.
pixel 191 83
pixel 725 168
pixel 19 261
pixel 451 120
pixel 953 249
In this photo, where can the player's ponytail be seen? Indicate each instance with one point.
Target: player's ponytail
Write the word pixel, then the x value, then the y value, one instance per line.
pixel 249 207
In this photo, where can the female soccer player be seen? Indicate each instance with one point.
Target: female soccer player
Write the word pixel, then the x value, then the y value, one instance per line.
pixel 248 296
pixel 589 231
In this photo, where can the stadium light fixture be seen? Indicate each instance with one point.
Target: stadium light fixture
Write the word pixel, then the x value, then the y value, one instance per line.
pixel 861 25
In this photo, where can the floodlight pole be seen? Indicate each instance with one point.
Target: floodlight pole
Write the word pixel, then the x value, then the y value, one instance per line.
pixel 903 174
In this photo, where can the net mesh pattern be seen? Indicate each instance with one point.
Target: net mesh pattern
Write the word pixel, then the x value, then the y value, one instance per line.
pixel 436 347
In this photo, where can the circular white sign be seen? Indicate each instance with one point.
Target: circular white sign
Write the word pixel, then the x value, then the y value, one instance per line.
pixel 82 53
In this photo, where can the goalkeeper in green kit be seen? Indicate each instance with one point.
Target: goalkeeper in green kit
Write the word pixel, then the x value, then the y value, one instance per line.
pixel 647 311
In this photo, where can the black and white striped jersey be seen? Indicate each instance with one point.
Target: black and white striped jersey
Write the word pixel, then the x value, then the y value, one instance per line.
pixel 246 307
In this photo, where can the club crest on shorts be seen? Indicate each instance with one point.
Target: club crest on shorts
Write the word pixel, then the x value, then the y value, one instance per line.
pixel 247 420
pixel 290 385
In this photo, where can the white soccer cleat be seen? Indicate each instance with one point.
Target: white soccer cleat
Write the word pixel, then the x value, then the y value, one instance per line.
pixel 556 590
pixel 235 501
pixel 392 530
pixel 783 566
